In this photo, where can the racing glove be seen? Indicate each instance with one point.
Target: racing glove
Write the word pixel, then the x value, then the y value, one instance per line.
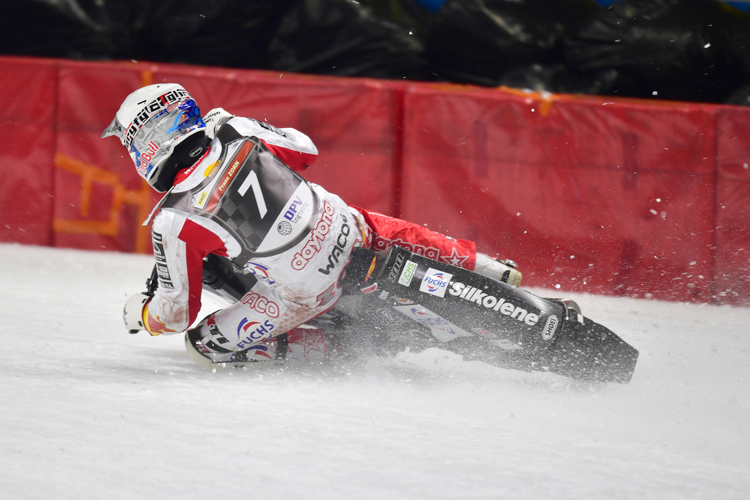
pixel 132 313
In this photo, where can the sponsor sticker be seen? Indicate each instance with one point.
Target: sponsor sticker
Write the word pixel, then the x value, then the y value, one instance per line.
pixel 442 329
pixel 404 302
pixel 396 267
pixel 253 331
pixel 200 199
pixel 489 301
pixel 550 328
pixel 435 282
pixel 371 269
pixel 261 304
pixel 339 247
pixel 407 273
pixel 314 242
pixel 296 209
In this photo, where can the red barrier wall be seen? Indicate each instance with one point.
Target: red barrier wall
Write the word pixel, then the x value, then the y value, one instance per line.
pixel 585 194
pixel 28 92
pixel 618 197
pixel 732 207
pixel 87 189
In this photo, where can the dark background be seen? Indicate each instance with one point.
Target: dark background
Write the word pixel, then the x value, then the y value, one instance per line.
pixel 690 50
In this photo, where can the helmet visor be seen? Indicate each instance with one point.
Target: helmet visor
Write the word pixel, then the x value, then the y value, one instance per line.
pixel 157 136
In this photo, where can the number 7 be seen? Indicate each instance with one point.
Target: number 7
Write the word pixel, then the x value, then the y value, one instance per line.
pixel 252 180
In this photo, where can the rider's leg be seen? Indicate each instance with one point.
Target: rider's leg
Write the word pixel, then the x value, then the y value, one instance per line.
pixel 385 231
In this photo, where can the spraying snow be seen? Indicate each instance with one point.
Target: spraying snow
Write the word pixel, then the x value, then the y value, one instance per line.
pixel 88 411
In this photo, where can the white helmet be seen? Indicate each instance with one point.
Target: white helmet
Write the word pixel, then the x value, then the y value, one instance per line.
pixel 151 122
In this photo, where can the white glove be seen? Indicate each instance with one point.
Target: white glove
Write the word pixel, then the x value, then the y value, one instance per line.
pixel 214 119
pixel 132 313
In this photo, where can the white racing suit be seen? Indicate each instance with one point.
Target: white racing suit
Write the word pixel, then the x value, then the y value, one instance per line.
pixel 243 201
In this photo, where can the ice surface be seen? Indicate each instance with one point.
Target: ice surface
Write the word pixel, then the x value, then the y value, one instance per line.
pixel 88 411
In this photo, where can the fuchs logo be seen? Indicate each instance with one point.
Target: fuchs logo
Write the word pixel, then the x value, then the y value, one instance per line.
pixel 550 328
pixel 155 106
pixel 295 210
pixel 435 282
pixel 396 267
pixel 258 351
pixel 339 248
pixel 315 241
pixel 253 331
pixel 261 272
pixel 261 304
pixel 488 301
pixel 408 273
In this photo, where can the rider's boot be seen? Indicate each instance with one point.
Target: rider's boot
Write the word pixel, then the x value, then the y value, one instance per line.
pixel 501 270
pixel 301 343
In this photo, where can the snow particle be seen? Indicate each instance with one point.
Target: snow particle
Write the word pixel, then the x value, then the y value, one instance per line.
pixel 707 45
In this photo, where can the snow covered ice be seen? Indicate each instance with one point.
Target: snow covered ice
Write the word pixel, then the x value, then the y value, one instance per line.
pixel 88 411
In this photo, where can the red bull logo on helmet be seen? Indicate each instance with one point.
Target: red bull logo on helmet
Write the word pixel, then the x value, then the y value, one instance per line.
pixel 143 160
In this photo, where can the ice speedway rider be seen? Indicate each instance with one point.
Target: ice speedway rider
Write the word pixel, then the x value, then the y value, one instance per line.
pixel 232 191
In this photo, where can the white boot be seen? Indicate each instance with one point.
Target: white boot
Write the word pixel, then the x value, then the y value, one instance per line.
pixel 501 270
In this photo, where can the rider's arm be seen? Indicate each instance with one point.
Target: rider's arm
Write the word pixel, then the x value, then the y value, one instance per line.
pixel 291 146
pixel 180 244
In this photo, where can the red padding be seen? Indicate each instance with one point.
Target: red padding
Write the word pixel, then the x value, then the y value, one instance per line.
pixel 28 93
pixel 586 195
pixel 732 240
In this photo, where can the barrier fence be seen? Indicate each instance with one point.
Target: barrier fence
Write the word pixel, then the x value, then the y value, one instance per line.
pixel 611 196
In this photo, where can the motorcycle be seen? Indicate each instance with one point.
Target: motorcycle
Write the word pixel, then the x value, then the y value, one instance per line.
pixel 402 300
